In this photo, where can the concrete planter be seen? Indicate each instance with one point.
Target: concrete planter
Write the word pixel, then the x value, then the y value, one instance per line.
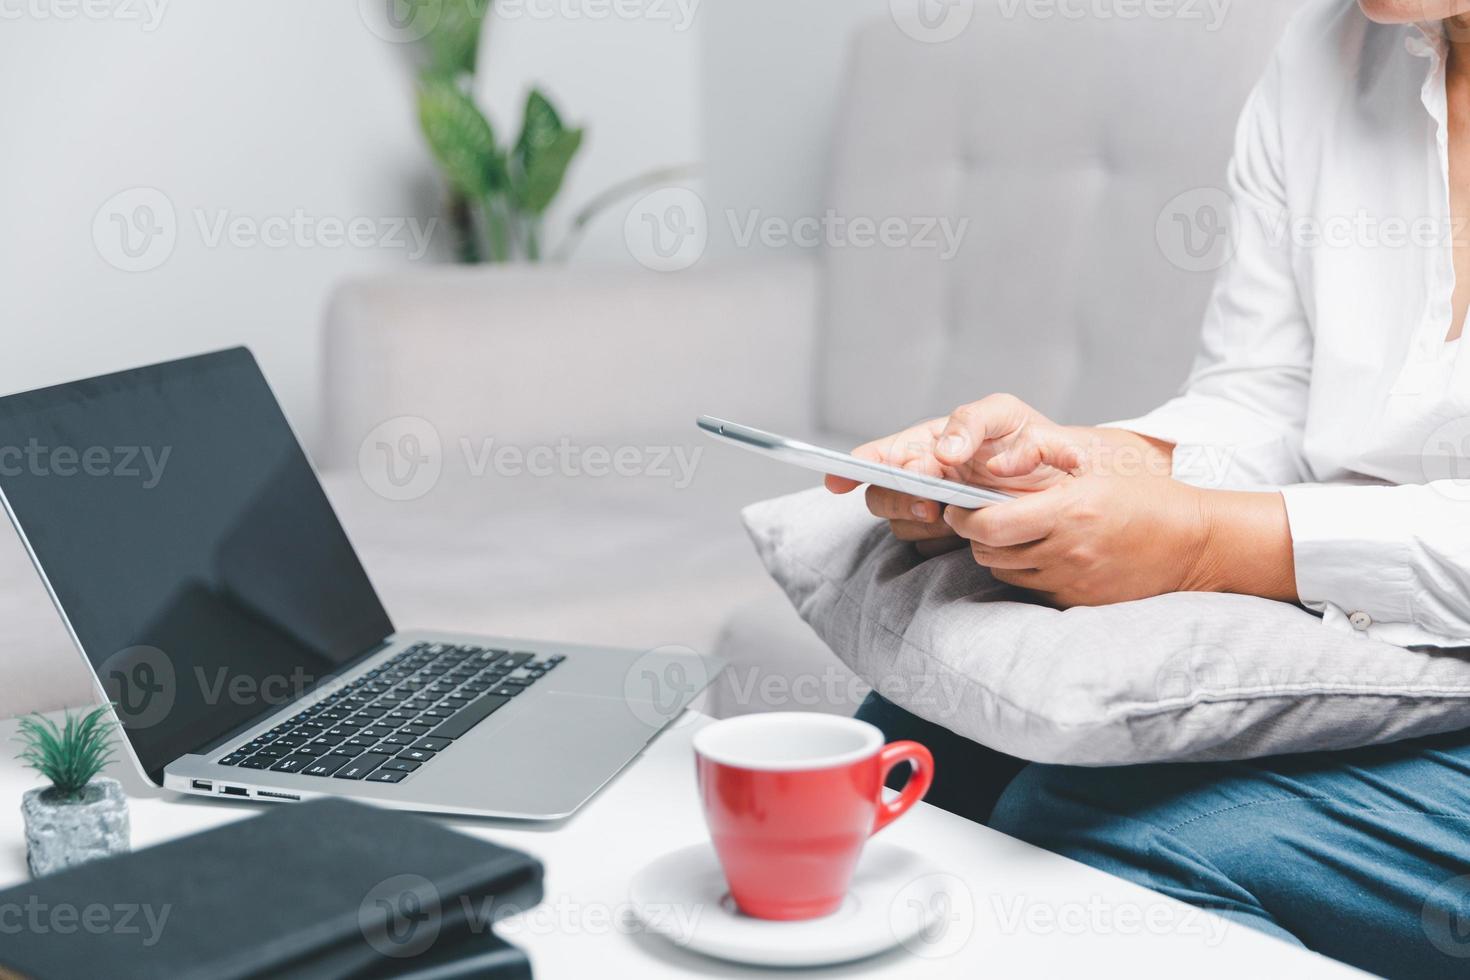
pixel 60 834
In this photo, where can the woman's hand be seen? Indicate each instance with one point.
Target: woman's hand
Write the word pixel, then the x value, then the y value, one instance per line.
pixel 999 442
pixel 1102 538
pixel 996 442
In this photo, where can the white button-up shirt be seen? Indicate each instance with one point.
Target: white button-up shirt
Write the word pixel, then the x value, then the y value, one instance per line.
pixel 1325 368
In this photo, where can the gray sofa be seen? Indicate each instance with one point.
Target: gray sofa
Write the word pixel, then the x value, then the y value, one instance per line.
pixel 1066 144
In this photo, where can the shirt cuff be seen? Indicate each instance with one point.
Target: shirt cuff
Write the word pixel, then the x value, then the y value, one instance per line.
pixel 1207 436
pixel 1353 548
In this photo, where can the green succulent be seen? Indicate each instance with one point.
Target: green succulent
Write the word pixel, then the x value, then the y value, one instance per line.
pixel 71 754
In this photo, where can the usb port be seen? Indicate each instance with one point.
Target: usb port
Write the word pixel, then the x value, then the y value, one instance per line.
pixel 236 791
pixel 203 784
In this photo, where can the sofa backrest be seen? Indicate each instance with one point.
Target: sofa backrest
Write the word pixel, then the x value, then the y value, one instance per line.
pixel 1065 140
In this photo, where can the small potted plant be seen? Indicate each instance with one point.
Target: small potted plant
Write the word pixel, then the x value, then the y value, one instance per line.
pixel 80 816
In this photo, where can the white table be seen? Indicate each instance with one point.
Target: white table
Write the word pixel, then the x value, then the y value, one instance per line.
pixel 1030 913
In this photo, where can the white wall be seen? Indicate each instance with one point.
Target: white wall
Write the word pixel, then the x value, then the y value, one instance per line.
pixel 771 75
pixel 254 110
pixel 260 109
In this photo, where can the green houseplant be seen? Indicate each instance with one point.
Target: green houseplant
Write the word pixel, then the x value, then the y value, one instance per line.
pixel 80 816
pixel 499 192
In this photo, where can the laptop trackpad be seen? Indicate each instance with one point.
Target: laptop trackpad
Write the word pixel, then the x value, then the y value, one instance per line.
pixel 548 755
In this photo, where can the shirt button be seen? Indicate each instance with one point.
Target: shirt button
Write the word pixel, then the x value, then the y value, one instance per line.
pixel 1361 621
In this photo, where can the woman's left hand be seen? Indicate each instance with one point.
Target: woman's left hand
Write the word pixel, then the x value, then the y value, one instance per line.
pixel 1095 539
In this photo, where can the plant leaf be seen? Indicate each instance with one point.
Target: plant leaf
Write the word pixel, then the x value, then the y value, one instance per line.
pixel 461 138
pixel 543 154
pixel 454 43
pixel 70 755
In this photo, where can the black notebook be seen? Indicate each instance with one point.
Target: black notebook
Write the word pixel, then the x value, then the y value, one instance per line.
pixel 305 891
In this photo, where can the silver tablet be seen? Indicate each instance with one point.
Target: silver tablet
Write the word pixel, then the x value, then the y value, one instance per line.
pixel 835 463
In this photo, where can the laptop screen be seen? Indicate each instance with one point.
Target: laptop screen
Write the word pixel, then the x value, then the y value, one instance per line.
pixel 189 543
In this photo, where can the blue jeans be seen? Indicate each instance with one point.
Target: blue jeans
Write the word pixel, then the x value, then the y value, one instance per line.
pixel 1362 855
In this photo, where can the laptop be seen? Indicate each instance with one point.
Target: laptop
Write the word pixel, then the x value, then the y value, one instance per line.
pixel 204 576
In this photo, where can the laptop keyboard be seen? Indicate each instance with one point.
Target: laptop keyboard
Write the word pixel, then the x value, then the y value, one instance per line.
pixel 391 721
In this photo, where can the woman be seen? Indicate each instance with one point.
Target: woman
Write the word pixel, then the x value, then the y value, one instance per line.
pixel 1331 366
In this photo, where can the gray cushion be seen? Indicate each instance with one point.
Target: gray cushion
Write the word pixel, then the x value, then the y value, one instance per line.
pixel 1062 141
pixel 1185 677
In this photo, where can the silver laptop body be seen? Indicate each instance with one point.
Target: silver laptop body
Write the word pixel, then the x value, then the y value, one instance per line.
pixel 188 598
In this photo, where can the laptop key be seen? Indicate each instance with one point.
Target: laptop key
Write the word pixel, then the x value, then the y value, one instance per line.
pixel 386 776
pixel 359 768
pixel 234 758
pixel 293 763
pixel 257 762
pixel 400 765
pixel 326 765
pixel 399 738
pixel 416 755
pixel 417 730
pixel 506 691
pixel 469 716
pixel 433 744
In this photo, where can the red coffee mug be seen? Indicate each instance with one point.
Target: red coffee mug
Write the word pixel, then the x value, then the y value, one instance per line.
pixel 791 799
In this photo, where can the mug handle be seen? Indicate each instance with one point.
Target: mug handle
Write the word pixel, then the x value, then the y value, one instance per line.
pixel 913 791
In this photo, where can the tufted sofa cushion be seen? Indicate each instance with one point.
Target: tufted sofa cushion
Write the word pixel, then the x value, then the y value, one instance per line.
pixel 1063 140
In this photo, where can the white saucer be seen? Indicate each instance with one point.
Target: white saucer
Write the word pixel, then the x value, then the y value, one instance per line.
pixel 895 895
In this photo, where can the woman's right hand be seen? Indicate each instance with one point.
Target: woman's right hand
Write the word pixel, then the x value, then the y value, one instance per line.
pixel 999 442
